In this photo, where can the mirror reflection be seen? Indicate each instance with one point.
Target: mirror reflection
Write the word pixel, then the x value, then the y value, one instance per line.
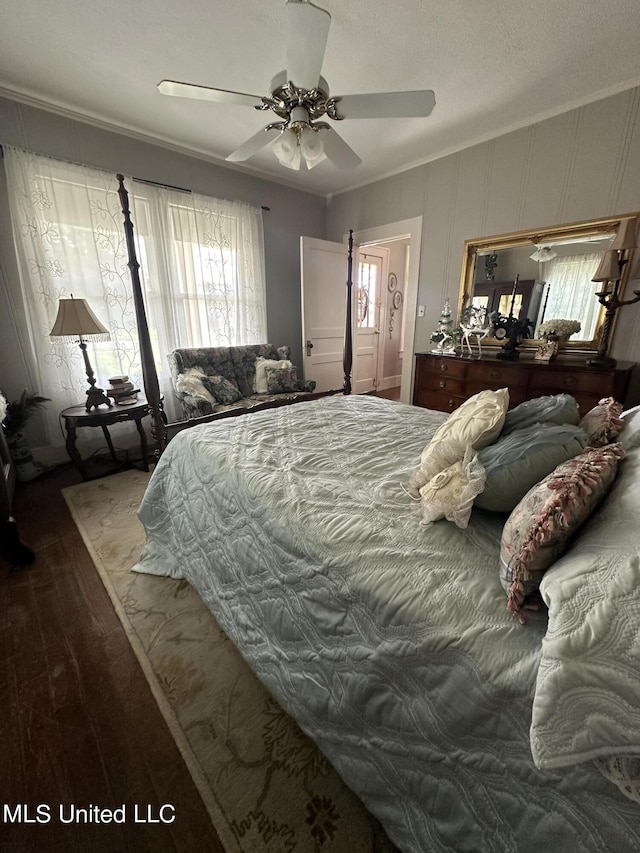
pixel 556 284
pixel 539 276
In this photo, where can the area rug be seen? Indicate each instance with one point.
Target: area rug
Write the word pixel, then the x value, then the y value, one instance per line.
pixel 266 786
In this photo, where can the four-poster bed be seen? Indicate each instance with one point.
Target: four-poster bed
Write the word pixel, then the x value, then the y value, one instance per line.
pixel 389 642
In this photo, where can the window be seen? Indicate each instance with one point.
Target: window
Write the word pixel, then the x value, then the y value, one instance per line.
pixel 201 267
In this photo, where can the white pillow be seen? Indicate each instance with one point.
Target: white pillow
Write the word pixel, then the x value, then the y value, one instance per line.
pixel 261 371
pixel 630 435
pixel 476 423
pixel 190 382
pixel 451 493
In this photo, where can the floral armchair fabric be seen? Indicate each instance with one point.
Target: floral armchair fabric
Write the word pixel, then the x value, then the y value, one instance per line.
pixel 235 364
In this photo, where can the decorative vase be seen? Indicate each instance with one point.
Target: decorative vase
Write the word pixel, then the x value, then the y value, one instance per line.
pixel 26 466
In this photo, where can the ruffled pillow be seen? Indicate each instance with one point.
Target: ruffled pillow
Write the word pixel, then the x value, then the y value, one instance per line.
pixel 538 530
pixel 476 423
pixel 191 382
pixel 451 493
pixel 603 423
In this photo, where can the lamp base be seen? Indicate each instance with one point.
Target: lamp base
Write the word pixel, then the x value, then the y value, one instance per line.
pixel 602 361
pixel 96 397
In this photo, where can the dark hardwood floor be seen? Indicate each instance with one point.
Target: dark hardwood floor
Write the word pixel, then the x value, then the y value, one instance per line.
pixel 389 393
pixel 78 723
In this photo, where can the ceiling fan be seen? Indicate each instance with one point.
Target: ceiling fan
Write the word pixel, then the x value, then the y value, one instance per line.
pixel 300 97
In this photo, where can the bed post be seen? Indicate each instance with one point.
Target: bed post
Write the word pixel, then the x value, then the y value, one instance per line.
pixel 347 360
pixel 149 374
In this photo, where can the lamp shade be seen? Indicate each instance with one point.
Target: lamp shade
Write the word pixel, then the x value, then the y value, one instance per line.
pixel 76 320
pixel 626 237
pixel 609 269
pixel 634 274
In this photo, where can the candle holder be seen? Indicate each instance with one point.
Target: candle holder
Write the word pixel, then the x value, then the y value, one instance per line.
pixel 609 299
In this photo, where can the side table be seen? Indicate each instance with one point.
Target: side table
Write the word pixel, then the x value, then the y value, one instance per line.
pixel 77 416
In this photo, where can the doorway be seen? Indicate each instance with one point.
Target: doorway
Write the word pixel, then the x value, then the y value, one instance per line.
pixel 402 241
pixel 368 359
pixel 324 307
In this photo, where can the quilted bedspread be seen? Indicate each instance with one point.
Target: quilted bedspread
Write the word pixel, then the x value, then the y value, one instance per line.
pixel 389 642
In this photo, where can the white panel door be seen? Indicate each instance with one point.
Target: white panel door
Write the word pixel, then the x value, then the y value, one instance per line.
pixel 368 312
pixel 324 311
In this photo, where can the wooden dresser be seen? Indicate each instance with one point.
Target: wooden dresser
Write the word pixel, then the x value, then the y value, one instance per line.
pixel 444 382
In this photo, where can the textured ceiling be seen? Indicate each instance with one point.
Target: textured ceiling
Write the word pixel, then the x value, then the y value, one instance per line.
pixel 494 65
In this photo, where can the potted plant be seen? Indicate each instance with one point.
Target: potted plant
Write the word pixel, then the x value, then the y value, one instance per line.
pixel 17 415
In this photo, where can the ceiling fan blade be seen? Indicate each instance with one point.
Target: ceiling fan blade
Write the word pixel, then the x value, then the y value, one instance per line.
pixel 307 31
pixel 204 93
pixel 253 144
pixel 338 151
pixel 387 105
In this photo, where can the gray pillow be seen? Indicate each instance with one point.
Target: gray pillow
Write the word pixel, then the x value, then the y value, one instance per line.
pixel 222 389
pixel 517 461
pixel 552 409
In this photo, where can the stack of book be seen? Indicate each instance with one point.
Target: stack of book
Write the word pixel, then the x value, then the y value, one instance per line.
pixel 122 391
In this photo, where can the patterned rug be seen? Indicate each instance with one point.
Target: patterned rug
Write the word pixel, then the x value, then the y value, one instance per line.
pixel 266 786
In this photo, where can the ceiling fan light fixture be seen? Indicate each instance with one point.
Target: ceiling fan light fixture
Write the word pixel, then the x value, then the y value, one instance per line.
pixel 312 147
pixel 543 253
pixel 287 149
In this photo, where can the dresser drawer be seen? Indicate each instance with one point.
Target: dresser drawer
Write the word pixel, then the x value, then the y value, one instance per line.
pixel 443 366
pixel 556 382
pixel 440 401
pixel 497 375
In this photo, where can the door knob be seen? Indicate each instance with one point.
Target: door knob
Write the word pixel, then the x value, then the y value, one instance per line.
pixel 309 346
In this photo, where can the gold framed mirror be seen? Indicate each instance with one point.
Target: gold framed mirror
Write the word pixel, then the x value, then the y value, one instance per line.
pixel 541 274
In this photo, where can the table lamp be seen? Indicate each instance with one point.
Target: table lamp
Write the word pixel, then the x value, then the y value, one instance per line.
pixel 77 323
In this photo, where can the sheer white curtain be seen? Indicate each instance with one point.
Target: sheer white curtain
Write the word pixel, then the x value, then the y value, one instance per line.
pixel 571 292
pixel 202 269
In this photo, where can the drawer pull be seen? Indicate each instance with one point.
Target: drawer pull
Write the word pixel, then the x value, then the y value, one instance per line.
pixel 442 383
pixel 495 374
pixel 443 368
pixel 451 404
pixel 571 381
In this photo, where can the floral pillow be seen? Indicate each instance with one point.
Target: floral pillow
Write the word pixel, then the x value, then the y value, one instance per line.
pixel 539 529
pixel 261 371
pixel 281 380
pixel 603 423
pixel 222 389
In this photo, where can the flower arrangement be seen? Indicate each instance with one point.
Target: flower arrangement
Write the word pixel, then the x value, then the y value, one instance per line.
pixel 557 330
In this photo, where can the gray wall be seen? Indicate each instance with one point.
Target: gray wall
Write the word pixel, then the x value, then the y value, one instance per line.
pixel 581 165
pixel 292 214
